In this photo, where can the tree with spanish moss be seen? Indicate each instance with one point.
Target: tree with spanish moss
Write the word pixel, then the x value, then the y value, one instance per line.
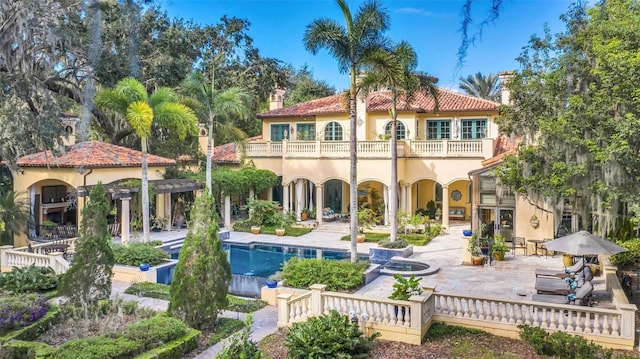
pixel 203 274
pixel 89 277
pixel 576 105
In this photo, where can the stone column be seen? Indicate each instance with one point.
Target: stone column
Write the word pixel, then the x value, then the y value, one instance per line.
pixel 445 206
pixel 285 198
pixel 409 200
pixel 298 202
pixel 167 211
pixel 125 220
pixel 403 198
pixel 319 196
pixel 227 212
pixel 385 197
pixel 252 193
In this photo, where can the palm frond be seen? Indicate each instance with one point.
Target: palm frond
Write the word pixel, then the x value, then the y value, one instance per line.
pixel 131 89
pixel 140 116
pixel 110 99
pixel 161 95
pixel 178 118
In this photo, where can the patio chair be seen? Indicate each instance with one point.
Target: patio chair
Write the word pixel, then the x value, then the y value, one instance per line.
pixel 518 243
pixel 567 272
pixel 561 286
pixel 581 297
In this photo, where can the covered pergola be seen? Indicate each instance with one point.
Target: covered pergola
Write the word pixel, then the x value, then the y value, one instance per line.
pixel 162 188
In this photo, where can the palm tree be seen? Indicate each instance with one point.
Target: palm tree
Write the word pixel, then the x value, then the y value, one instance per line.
pixel 212 104
pixel 14 216
pixel 129 98
pixel 348 45
pixel 478 85
pixel 395 70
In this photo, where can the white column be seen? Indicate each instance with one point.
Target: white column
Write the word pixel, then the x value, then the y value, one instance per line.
pixel 311 196
pixel 285 198
pixel 403 198
pixel 319 195
pixel 445 206
pixel 227 212
pixel 385 196
pixel 409 200
pixel 298 199
pixel 167 211
pixel 125 221
pixel 252 193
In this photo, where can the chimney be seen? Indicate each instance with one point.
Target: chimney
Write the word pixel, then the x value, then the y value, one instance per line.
pixel 69 124
pixel 505 94
pixel 277 99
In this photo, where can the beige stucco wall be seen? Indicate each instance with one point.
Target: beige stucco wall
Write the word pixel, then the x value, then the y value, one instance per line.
pixel 524 211
pixel 39 176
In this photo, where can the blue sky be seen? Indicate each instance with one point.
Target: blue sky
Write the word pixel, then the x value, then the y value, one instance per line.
pixel 430 26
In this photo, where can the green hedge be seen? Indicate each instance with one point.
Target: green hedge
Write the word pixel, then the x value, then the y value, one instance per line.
pixel 150 290
pixel 32 331
pixel 174 349
pixel 134 254
pixel 20 349
pixel 98 348
pixel 336 275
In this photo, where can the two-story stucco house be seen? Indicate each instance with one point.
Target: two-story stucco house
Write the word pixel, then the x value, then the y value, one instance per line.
pixel 307 145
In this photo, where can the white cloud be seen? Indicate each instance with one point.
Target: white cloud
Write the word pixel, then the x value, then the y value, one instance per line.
pixel 414 11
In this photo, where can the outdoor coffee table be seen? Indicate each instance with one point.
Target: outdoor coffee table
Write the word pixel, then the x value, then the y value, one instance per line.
pixel 535 244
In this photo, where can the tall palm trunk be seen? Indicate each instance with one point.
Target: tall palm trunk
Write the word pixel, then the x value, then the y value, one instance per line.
pixel 393 189
pixel 353 159
pixel 145 193
pixel 212 118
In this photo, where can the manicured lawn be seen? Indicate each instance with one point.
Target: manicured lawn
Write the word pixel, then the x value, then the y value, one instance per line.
pixel 415 239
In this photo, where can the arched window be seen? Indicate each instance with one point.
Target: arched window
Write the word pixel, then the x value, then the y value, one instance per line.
pixel 401 132
pixel 333 132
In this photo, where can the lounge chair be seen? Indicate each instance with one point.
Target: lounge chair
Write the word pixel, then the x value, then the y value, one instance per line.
pixel 567 272
pixel 581 297
pixel 561 286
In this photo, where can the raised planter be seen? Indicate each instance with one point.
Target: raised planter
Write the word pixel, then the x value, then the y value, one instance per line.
pixel 381 255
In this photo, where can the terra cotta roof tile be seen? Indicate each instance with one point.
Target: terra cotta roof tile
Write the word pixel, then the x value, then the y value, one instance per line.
pixel 92 154
pixel 449 101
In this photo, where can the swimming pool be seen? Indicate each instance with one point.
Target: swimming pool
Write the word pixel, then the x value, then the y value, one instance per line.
pixel 263 260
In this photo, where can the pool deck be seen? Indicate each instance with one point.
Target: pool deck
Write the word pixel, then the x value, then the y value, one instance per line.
pixel 512 278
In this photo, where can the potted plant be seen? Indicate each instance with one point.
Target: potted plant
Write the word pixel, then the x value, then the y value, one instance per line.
pixel 404 288
pixel 499 247
pixel 255 229
pixel 48 227
pixel 431 209
pixel 474 246
pixel 272 281
pixel 159 223
pixel 366 220
pixel 283 220
pixel 304 214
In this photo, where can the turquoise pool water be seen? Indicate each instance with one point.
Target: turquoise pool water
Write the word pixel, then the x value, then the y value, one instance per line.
pixel 263 260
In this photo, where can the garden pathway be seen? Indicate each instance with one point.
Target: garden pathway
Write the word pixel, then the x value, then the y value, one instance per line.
pixel 264 320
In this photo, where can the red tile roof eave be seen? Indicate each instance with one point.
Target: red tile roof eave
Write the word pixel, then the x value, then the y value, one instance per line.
pixel 95 166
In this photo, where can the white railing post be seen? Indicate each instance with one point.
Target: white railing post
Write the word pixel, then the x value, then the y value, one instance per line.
pixel 416 310
pixel 628 317
pixel 318 152
pixel 316 298
pixel 56 262
pixel 445 148
pixel 283 309
pixel 3 256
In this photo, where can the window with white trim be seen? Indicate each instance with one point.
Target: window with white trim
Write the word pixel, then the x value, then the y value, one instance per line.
pixel 474 129
pixel 401 131
pixel 438 129
pixel 333 132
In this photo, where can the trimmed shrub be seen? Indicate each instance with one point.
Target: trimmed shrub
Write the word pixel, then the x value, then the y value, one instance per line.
pixel 155 331
pixel 561 344
pixel 336 275
pixel 242 305
pixel 175 349
pixel 328 336
pixel 98 348
pixel 134 254
pixel 150 290
pixel 398 243
pixel 224 328
pixel 20 349
pixel 440 330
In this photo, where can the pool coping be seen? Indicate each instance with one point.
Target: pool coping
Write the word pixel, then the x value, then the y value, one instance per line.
pixel 431 270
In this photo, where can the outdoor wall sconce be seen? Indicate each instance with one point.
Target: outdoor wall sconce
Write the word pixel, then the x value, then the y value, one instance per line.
pixel 534 221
